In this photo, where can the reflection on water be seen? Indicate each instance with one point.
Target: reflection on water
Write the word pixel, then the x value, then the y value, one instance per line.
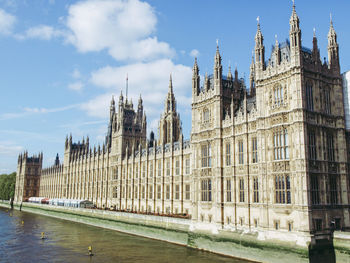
pixel 68 242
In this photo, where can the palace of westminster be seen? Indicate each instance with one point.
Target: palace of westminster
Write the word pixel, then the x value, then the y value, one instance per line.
pixel 274 159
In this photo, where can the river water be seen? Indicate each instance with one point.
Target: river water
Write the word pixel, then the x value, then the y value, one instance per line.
pixel 69 241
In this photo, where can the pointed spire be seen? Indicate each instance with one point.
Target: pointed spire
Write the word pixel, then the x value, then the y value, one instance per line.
pixel 333 48
pixel 276 42
pixel 127 84
pixel 236 72
pixel 195 67
pixel 217 63
pixel 259 46
pixel 170 84
pixel 294 16
pixel 229 74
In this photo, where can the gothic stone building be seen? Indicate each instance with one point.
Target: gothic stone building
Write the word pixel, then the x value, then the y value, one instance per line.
pixel 272 160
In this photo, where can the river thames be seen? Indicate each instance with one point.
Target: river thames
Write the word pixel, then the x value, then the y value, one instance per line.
pixel 68 242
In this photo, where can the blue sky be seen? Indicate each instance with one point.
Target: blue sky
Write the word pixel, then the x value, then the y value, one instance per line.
pixel 61 61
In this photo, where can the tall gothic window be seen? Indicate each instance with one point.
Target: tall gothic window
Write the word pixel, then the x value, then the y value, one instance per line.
pixel 282 189
pixel 327 101
pixel 187 192
pixel 278 94
pixel 143 170
pixel 206 115
pixel 206 155
pixel 281 144
pixel 115 192
pixel 168 167
pixel 168 192
pixel 256 190
pixel 240 152
pixel 177 191
pixel 150 192
pixel 188 168
pixel 206 190
pixel 333 187
pixel 315 190
pixel 312 145
pixel 177 167
pixel 159 168
pixel 159 192
pixel 241 189
pixel 228 154
pixel 330 147
pixel 228 190
pixel 309 96
pixel 143 192
pixel 151 169
pixel 135 192
pixel 254 150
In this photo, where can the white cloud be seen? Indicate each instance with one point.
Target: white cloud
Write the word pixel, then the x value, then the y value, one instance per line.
pixel 124 28
pixel 150 79
pixel 76 74
pixel 30 111
pixel 194 53
pixel 76 86
pixel 9 148
pixel 7 22
pixel 43 32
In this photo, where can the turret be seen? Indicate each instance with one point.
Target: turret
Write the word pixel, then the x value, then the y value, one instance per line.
pixel 333 49
pixel 295 38
pixel 294 32
pixel 259 48
pixel 217 67
pixel 315 50
pixel 57 160
pixel 112 108
pixel 170 103
pixel 195 78
pixel 277 52
pixel 252 76
pixel 229 74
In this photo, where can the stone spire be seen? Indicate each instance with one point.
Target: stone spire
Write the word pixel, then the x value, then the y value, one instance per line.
pixel 333 48
pixel 277 52
pixel 229 74
pixel 294 32
pixel 217 63
pixel 112 108
pixel 252 76
pixel 315 50
pixel 259 47
pixel 195 78
pixel 170 103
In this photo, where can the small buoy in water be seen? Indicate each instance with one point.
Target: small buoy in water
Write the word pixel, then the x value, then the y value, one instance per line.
pixel 43 235
pixel 90 251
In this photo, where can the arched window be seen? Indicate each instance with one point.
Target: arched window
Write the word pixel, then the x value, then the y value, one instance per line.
pixel 206 114
pixel 278 95
pixel 309 96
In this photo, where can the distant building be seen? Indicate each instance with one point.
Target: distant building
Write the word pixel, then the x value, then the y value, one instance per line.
pixel 272 160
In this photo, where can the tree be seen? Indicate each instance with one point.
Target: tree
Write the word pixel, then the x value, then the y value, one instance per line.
pixel 7 186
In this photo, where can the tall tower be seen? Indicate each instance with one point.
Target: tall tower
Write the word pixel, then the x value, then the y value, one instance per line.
pixel 28 176
pixel 170 124
pixel 259 48
pixel 333 49
pixel 295 38
pixel 128 127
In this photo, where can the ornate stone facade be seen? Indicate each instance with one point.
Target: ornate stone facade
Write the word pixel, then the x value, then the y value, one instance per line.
pixel 273 160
